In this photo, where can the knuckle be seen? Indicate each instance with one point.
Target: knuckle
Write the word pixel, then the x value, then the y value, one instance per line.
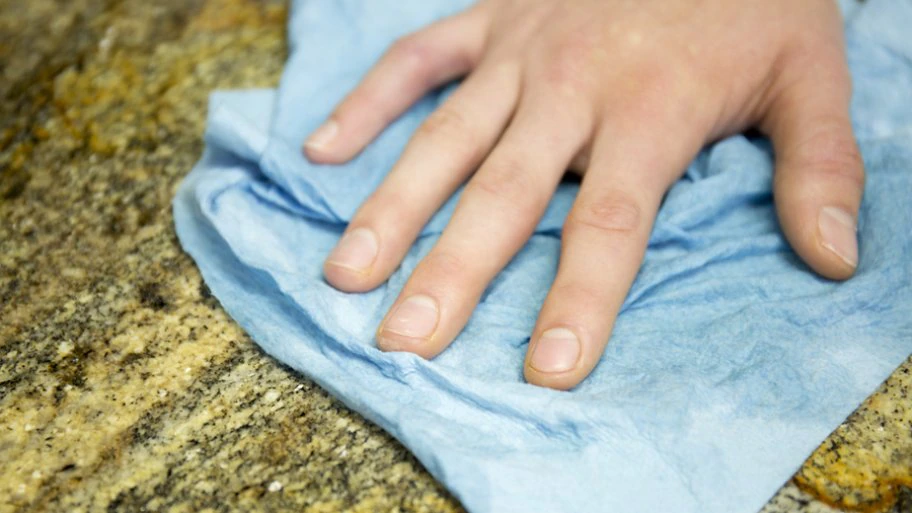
pixel 614 212
pixel 578 293
pixel 448 125
pixel 412 54
pixel 677 86
pixel 507 182
pixel 832 157
pixel 570 65
pixel 813 51
pixel 668 98
pixel 446 119
pixel 658 80
pixel 407 47
pixel 390 211
pixel 658 87
pixel 443 265
pixel 563 79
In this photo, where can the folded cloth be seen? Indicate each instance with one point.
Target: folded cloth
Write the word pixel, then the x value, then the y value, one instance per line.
pixel 730 360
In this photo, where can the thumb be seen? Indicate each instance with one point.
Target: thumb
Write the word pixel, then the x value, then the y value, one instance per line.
pixel 819 177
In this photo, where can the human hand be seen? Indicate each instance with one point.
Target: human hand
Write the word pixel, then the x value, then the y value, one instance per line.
pixel 623 92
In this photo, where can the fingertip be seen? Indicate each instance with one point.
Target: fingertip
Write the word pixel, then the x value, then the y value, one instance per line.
pixel 389 343
pixel 829 266
pixel 411 326
pixel 555 359
pixel 321 146
pixel 824 237
pixel 838 238
pixel 836 272
pixel 350 266
pixel 563 383
pixel 321 156
pixel 347 279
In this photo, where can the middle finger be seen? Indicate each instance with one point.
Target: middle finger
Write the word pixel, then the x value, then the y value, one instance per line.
pixel 496 214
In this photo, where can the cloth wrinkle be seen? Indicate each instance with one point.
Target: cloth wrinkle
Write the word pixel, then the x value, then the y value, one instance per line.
pixel 730 360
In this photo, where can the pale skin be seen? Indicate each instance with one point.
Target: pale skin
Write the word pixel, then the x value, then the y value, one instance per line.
pixel 622 92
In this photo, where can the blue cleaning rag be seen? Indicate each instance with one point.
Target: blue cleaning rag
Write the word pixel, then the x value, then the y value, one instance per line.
pixel 730 360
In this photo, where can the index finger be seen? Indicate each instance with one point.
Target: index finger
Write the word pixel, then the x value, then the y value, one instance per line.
pixel 410 68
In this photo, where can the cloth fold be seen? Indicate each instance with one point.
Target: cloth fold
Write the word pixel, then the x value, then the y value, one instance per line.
pixel 730 360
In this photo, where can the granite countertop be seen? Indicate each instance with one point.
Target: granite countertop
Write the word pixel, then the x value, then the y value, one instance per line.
pixel 123 384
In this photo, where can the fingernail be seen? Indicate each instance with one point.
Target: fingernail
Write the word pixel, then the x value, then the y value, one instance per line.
pixel 838 233
pixel 557 350
pixel 323 136
pixel 416 317
pixel 357 250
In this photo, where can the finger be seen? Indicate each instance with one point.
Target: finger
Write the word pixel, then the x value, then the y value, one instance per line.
pixel 497 213
pixel 410 68
pixel 443 153
pixel 819 177
pixel 603 243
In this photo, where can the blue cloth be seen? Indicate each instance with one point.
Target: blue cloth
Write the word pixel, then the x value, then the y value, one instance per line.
pixel 730 360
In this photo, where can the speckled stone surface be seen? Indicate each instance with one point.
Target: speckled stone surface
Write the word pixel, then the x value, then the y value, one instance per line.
pixel 123 384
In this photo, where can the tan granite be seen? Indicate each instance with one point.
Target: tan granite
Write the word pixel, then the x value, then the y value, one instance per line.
pixel 123 384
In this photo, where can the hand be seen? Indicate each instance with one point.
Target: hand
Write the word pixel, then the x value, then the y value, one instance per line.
pixel 622 92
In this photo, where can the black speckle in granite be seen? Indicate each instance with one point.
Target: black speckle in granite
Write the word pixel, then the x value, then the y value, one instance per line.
pixel 132 359
pixel 904 500
pixel 11 287
pixel 70 369
pixel 128 500
pixel 150 295
pixel 8 385
pixel 15 187
pixel 116 225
